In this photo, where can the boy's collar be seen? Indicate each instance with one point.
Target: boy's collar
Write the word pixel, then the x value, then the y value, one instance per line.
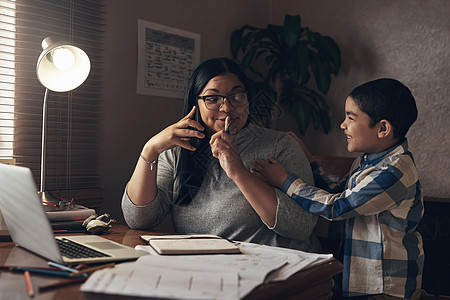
pixel 402 146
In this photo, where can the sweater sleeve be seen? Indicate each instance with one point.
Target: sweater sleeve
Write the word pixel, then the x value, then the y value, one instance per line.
pixel 292 221
pixel 150 215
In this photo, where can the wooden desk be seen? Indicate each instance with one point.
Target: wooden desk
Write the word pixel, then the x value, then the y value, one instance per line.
pixel 312 283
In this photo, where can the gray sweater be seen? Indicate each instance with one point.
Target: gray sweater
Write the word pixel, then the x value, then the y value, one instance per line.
pixel 220 208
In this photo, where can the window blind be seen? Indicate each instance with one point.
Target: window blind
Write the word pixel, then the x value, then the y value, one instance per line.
pixel 72 168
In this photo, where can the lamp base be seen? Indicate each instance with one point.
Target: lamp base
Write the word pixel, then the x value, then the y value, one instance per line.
pixel 49 201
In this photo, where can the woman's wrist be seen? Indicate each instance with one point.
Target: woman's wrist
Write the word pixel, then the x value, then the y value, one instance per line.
pixel 239 174
pixel 149 153
pixel 152 163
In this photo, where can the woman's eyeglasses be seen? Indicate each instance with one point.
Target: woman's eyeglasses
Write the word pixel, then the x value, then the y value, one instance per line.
pixel 215 102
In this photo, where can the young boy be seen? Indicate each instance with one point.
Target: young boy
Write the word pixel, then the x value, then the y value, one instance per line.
pixel 381 200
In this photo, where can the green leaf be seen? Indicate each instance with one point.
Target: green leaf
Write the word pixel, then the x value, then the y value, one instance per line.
pixel 248 40
pixel 302 115
pixel 334 53
pixel 270 59
pixel 328 53
pixel 248 58
pixel 321 76
pixel 273 33
pixel 291 30
pixel 325 121
pixel 303 62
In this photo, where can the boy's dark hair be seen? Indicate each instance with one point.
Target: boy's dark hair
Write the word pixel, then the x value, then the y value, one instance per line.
pixel 387 99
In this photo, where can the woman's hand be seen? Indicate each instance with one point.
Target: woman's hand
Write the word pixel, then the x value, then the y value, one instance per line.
pixel 272 172
pixel 259 194
pixel 178 134
pixel 141 188
pixel 225 150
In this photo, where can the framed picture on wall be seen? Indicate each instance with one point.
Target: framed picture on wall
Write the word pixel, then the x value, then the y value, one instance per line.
pixel 166 58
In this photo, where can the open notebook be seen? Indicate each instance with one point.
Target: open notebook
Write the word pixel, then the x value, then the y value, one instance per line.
pixel 191 244
pixel 30 228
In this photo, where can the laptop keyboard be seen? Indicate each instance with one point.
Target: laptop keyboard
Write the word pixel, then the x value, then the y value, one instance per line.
pixel 74 250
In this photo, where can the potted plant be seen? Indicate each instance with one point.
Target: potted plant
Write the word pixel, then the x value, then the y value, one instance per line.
pixel 283 60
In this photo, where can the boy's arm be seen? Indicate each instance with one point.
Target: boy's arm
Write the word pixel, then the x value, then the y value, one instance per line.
pixel 321 179
pixel 274 174
pixel 378 190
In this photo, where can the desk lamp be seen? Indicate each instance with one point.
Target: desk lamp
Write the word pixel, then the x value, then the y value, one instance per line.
pixel 61 67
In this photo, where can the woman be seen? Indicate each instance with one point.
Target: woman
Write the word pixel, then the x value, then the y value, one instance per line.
pixel 198 169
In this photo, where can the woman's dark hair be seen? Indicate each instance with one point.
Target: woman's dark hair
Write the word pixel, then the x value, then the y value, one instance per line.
pixel 193 165
pixel 387 99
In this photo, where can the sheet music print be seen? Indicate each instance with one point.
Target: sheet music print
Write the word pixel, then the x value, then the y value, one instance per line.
pixel 166 60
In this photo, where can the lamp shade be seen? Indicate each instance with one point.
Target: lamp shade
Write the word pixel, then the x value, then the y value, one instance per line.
pixel 62 67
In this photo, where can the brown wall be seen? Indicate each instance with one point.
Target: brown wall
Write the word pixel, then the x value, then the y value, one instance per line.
pixel 408 40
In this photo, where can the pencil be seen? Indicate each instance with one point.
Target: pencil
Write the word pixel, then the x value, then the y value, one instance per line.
pixel 58 284
pixel 62 267
pixel 29 283
pixel 90 270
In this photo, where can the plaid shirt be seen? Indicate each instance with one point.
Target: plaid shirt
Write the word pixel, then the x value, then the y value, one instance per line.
pixel 382 203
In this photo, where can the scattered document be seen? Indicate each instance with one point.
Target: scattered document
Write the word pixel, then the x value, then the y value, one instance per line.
pixel 132 279
pixel 217 276
pixel 295 260
pixel 252 269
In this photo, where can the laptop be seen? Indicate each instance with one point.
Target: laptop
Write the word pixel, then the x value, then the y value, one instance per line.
pixel 30 228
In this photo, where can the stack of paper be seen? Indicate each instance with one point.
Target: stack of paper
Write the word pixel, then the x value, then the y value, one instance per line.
pixel 219 276
pixel 77 213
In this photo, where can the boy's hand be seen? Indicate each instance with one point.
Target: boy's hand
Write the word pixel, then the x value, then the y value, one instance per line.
pixel 272 172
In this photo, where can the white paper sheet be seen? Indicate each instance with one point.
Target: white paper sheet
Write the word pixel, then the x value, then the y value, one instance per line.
pixel 230 276
pixel 252 269
pixel 295 260
pixel 134 279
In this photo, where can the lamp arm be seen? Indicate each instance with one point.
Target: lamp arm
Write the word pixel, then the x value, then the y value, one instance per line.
pixel 44 141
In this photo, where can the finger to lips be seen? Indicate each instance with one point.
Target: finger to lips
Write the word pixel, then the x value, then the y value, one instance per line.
pixel 227 124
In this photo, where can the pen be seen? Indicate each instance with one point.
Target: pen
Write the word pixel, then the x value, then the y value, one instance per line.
pixel 90 270
pixel 62 267
pixel 43 272
pixel 29 283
